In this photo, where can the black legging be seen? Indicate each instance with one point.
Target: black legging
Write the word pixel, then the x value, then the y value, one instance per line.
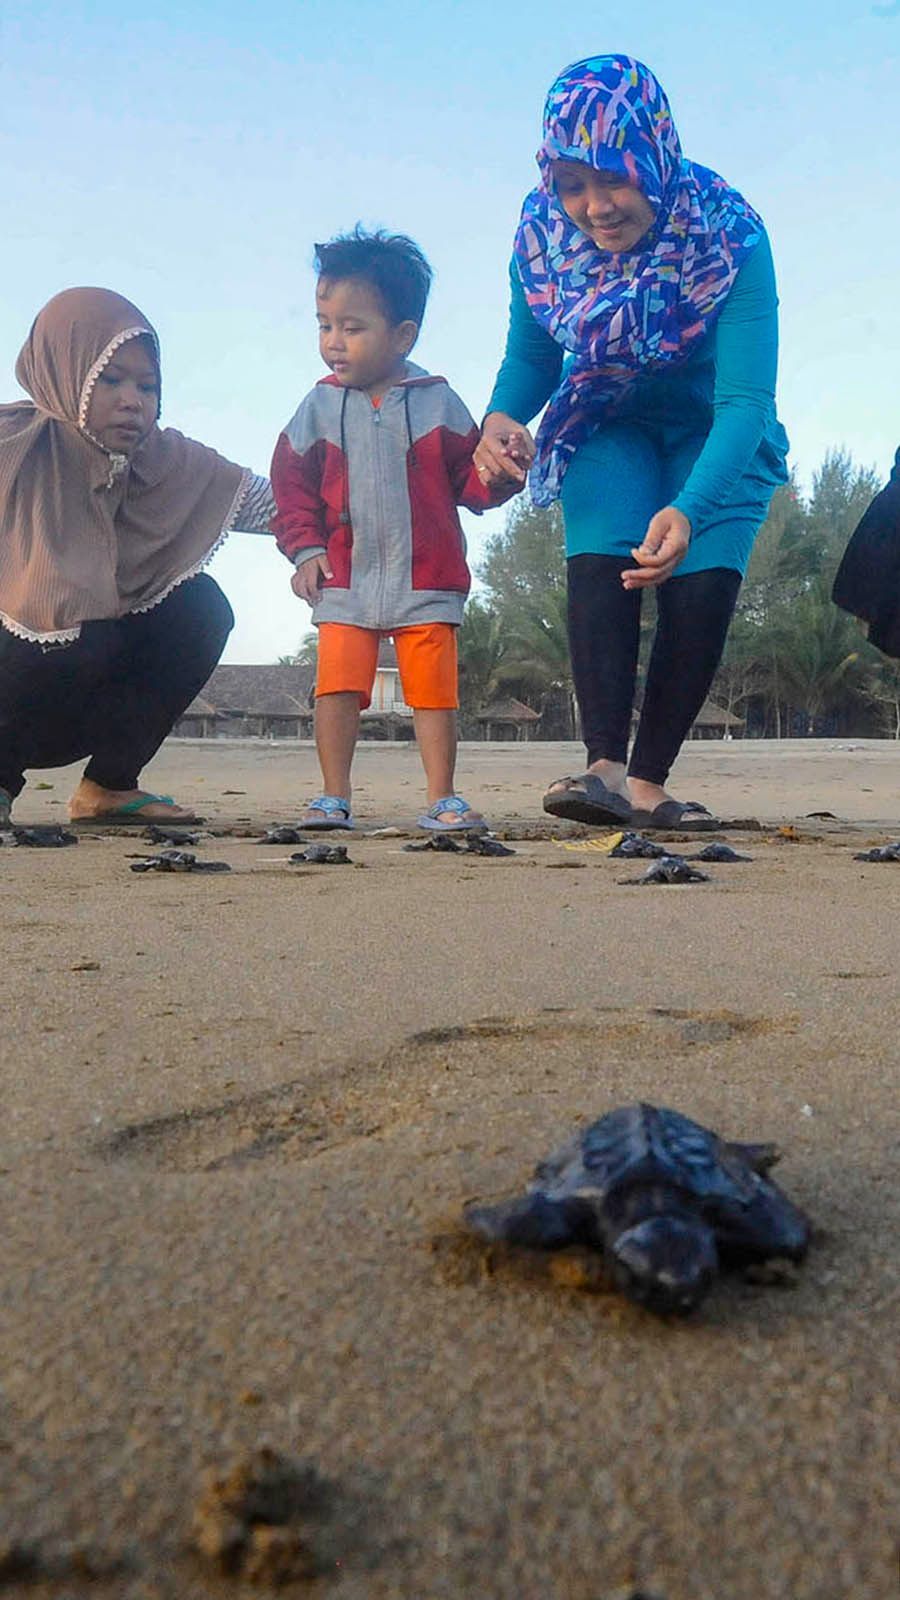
pixel 114 693
pixel 604 632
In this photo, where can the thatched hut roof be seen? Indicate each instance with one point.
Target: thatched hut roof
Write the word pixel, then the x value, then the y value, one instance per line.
pixel 251 691
pixel 510 710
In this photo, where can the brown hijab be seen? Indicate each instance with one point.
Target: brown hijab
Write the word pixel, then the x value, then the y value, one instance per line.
pixel 86 533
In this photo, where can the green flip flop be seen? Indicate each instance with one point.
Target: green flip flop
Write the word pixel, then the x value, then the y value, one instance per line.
pixel 131 814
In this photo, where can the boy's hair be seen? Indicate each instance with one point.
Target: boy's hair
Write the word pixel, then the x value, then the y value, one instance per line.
pixel 389 262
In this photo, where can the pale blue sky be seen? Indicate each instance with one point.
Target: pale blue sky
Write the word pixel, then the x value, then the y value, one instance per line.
pixel 190 158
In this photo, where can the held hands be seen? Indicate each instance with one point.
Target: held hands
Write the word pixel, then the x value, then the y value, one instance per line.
pixel 504 452
pixel 665 544
pixel 308 576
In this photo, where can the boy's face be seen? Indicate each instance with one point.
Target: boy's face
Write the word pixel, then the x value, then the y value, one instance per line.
pixel 363 349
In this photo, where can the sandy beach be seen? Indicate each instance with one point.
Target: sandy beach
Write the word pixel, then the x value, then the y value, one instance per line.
pixel 242 1114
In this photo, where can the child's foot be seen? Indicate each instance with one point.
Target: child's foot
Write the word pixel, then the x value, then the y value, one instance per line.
pixel 326 812
pixel 91 802
pixel 452 814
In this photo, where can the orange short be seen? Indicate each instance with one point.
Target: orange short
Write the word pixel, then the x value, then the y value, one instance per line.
pixel 426 656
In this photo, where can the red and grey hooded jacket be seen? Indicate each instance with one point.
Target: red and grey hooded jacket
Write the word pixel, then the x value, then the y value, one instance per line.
pixel 377 488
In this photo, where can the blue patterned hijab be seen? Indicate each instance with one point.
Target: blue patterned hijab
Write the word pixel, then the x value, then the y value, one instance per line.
pixel 622 314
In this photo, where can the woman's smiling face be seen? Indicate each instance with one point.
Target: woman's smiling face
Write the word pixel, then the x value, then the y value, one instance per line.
pixel 611 212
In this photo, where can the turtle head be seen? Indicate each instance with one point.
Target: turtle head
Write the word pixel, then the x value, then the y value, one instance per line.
pixel 666 1263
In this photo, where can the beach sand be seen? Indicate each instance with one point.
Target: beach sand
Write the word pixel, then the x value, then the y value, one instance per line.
pixel 242 1114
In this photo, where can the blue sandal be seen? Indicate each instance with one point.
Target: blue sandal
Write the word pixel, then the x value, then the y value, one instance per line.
pixel 460 808
pixel 336 814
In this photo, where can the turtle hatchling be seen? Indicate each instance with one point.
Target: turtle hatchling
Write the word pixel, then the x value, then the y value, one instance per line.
pixel 881 852
pixel 178 861
pixel 667 1201
pixel 158 833
pixel 634 845
pixel 671 869
pixel 718 852
pixel 39 836
pixel 323 855
pixel 481 844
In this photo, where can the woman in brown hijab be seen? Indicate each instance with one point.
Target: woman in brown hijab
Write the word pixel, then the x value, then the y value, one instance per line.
pixel 108 628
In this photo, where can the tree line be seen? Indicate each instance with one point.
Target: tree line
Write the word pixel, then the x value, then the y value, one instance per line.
pixel 794 665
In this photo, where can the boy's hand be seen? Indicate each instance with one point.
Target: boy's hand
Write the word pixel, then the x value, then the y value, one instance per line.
pixel 665 544
pixel 308 577
pixel 504 452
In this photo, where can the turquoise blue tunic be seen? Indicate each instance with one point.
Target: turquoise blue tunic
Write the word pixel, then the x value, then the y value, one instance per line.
pixel 703 436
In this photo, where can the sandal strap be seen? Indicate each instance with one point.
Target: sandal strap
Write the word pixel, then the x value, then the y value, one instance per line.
pixel 142 801
pixel 330 805
pixel 450 802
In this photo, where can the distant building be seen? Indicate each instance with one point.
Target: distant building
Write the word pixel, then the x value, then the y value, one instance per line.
pixel 248 701
pixel 714 722
pixel 508 720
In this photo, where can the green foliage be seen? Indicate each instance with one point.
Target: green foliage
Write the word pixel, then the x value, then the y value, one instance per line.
pixel 792 659
pixel 306 653
pixel 481 650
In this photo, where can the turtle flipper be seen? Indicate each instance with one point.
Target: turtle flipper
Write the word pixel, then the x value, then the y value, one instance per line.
pixel 530 1220
pixel 761 1157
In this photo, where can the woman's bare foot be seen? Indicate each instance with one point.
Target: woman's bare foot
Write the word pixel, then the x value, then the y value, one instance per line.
pixel 91 801
pixel 646 796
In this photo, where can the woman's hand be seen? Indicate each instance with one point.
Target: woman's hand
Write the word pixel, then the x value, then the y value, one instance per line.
pixel 308 577
pixel 504 452
pixel 665 544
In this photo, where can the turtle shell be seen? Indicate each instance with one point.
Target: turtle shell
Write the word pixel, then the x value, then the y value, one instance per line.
pixel 643 1144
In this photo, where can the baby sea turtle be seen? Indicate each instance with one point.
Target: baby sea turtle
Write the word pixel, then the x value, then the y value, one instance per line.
pixel 481 844
pixel 718 852
pixel 157 833
pixel 633 845
pixel 323 855
pixel 881 852
pixel 178 861
pixel 477 844
pixel 671 869
pixel 284 833
pixel 664 1198
pixel 41 836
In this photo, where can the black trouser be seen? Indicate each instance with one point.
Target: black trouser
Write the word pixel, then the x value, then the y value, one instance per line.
pixel 114 693
pixel 604 633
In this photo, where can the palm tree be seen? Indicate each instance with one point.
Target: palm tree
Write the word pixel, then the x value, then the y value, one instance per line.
pixel 816 653
pixel 481 651
pixel 306 653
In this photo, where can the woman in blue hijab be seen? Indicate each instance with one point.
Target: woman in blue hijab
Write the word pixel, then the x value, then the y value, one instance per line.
pixel 644 311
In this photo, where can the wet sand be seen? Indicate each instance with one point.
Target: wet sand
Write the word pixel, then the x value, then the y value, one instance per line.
pixel 242 1114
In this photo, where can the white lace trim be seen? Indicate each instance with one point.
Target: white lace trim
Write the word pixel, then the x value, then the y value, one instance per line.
pixel 243 489
pixel 62 636
pixel 102 361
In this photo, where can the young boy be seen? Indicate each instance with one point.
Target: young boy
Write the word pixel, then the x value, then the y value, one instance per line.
pixel 367 478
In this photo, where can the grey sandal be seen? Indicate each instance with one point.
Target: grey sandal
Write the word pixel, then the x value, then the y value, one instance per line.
pixel 587 799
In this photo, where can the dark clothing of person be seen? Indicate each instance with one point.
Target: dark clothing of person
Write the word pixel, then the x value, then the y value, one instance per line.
pixel 693 614
pixel 868 579
pixel 112 694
